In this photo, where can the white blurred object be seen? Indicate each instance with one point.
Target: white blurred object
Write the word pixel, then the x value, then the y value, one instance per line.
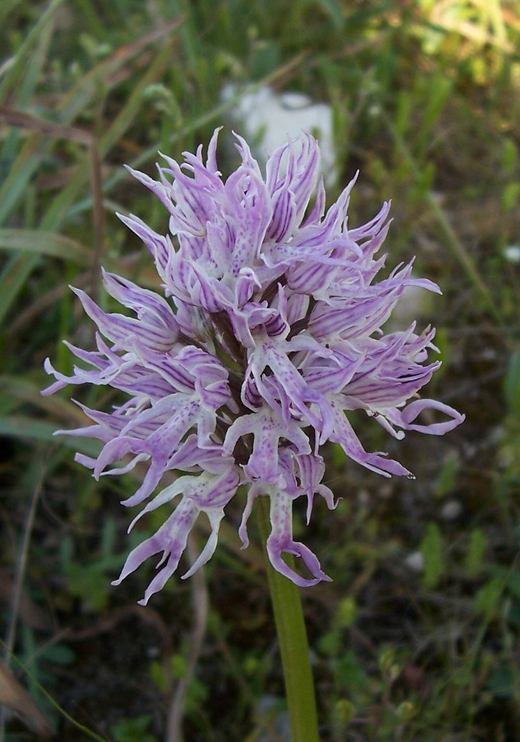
pixel 512 253
pixel 451 510
pixel 415 561
pixel 272 119
pixel 414 303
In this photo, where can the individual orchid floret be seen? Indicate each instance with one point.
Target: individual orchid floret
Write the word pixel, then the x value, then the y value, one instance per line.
pixel 267 337
pixel 207 493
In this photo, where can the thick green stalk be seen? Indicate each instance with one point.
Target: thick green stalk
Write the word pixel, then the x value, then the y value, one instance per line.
pixel 294 648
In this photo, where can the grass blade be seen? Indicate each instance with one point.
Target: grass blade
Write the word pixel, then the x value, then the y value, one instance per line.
pixel 452 241
pixel 33 429
pixel 23 56
pixel 44 243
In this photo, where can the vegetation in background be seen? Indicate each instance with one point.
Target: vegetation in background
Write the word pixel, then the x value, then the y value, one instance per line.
pixel 417 637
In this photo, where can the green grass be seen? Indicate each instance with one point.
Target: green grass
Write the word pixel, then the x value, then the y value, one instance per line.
pixel 426 104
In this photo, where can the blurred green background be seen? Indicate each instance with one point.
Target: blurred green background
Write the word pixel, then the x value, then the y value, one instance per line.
pixel 417 637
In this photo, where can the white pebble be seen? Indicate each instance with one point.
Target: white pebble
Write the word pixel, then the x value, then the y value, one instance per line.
pixel 512 253
pixel 415 561
pixel 451 510
pixel 275 118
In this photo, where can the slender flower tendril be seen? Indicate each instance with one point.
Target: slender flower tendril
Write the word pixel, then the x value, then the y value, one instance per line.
pixel 268 336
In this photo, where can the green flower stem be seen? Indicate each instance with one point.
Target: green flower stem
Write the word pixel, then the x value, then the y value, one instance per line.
pixel 292 639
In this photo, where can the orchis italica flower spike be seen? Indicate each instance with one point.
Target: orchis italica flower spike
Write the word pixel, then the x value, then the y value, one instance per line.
pixel 268 335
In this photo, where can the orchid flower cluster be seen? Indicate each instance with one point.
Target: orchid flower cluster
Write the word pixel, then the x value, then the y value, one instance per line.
pixel 267 337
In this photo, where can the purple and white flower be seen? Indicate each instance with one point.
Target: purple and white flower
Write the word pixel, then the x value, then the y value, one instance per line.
pixel 268 335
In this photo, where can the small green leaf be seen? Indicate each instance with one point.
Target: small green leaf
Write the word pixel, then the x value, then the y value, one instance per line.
pixel 488 597
pixel 179 666
pixel 475 554
pixel 387 664
pixel 158 676
pixel 406 710
pixel 511 196
pixel 343 713
pixel 512 382
pixel 350 673
pixel 447 475
pixel 347 613
pixel 196 695
pixel 330 643
pixel 132 730
pixel 509 156
pixel 432 549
